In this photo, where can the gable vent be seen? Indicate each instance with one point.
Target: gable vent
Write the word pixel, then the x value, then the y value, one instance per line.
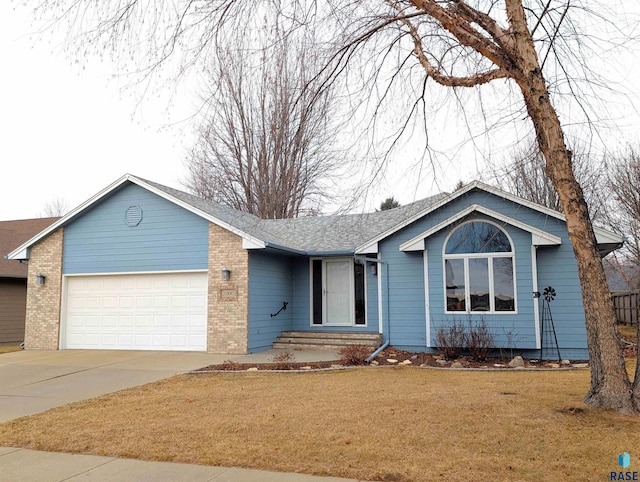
pixel 133 216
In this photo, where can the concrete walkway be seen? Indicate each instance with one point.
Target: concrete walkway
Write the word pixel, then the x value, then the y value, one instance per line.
pixel 35 381
pixel 35 466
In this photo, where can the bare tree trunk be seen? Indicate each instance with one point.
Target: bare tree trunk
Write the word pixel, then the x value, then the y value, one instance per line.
pixel 610 386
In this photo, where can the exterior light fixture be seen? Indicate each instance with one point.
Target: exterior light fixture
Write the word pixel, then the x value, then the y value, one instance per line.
pixel 40 279
pixel 226 274
pixel 373 269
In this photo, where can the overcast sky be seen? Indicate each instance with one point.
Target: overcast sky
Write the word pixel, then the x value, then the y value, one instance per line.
pixel 68 132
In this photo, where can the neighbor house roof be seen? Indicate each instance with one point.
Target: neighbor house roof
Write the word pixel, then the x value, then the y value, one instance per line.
pixel 12 235
pixel 314 235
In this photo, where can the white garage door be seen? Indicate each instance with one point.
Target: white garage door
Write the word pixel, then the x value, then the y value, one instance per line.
pixel 137 312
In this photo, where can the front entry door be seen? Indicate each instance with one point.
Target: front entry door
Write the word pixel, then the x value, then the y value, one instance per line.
pixel 337 299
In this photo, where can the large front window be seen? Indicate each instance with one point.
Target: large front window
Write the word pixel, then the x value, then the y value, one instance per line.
pixel 337 292
pixel 479 269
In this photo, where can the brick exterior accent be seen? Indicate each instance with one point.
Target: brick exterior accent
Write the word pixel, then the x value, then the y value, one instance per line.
pixel 228 301
pixel 42 325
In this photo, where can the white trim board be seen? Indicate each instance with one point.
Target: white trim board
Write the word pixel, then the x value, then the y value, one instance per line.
pixel 538 236
pixel 602 235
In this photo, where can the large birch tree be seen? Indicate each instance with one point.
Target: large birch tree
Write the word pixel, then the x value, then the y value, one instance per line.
pixel 458 44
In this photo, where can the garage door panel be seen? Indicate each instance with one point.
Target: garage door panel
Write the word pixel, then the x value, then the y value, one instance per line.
pixel 156 312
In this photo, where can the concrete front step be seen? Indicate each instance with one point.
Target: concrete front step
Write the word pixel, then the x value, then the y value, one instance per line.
pixel 325 340
pixel 303 346
pixel 332 334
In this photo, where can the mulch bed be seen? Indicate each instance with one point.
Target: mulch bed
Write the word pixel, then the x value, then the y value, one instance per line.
pixel 417 359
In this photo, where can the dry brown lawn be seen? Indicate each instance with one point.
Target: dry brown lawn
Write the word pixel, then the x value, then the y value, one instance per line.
pixel 628 332
pixel 375 423
pixel 9 348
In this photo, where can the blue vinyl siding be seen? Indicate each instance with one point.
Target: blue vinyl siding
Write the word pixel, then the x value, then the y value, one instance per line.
pixel 168 238
pixel 270 283
pixel 556 267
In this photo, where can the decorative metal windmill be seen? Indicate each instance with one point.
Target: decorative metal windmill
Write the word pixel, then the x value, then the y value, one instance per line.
pixel 549 341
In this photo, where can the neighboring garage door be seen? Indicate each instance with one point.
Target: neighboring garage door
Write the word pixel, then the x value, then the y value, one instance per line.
pixel 136 312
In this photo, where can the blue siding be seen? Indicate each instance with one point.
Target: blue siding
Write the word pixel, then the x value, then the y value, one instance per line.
pixel 168 238
pixel 556 267
pixel 270 283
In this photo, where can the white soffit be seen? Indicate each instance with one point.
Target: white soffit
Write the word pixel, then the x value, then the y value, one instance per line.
pixel 538 236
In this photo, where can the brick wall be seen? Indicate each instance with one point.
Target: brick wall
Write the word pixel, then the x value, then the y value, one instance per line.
pixel 42 325
pixel 228 309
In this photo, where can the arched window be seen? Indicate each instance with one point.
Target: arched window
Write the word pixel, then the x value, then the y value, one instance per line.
pixel 479 269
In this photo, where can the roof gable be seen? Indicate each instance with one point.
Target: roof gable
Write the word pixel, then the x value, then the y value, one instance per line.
pixel 538 236
pixel 602 236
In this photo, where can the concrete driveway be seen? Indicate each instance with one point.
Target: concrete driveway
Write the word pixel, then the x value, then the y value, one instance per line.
pixel 34 381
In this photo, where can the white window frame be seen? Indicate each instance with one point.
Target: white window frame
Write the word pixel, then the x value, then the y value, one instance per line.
pixel 490 256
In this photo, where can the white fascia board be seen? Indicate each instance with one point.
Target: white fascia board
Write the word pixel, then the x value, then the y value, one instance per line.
pixel 602 235
pixel 453 196
pixel 370 248
pixel 252 243
pixel 22 252
pixel 518 200
pixel 607 237
pixel 538 237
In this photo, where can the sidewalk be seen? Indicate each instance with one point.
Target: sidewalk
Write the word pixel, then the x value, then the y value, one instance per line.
pixel 35 466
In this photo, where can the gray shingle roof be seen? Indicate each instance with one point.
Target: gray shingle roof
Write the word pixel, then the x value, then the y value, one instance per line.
pixel 317 234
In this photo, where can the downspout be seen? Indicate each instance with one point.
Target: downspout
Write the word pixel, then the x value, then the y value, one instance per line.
pixel 381 267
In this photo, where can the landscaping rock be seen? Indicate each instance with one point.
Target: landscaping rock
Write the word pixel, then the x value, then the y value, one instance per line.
pixel 375 363
pixel 252 369
pixel 553 365
pixel 456 364
pixel 414 357
pixel 305 368
pixel 499 365
pixel 565 362
pixel 516 362
pixel 406 362
pixel 336 366
pixel 441 362
pixel 580 365
pixel 392 360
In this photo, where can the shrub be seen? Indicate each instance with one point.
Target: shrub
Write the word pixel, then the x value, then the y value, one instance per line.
pixel 230 365
pixel 479 340
pixel 283 360
pixel 451 340
pixel 354 354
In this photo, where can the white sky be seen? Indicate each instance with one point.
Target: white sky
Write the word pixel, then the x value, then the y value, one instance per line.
pixel 68 133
